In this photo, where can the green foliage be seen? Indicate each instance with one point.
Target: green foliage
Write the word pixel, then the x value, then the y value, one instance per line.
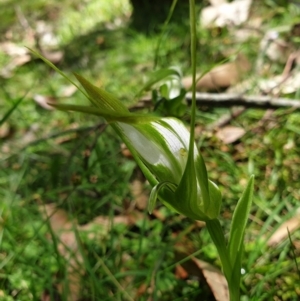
pixel 11 110
pixel 168 95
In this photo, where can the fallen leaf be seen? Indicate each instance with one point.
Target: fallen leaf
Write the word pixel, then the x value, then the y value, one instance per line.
pixel 283 231
pixel 141 290
pixel 125 151
pixel 44 101
pixel 280 85
pixel 234 13
pixel 5 130
pixel 230 134
pixel 251 29
pixel 7 70
pixel 19 56
pixel 215 279
pixel 217 2
pixel 180 272
pixel 140 197
pixel 275 48
pixel 30 135
pixel 53 56
pixel 296 244
pixel 68 91
pixel 68 247
pixel 222 76
pixel 13 49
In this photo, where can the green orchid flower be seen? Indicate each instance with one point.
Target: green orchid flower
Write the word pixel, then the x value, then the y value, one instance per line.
pixel 161 147
pixel 166 153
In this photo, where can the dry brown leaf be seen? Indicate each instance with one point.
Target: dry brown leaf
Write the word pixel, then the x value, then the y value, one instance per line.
pixel 217 2
pixel 44 101
pixel 159 214
pixel 68 247
pixel 103 224
pixel 283 231
pixel 68 91
pixel 230 134
pixel 205 271
pixel 279 85
pixel 140 197
pixel 65 138
pixel 5 130
pixel 125 151
pixel 19 56
pixel 215 280
pixel 141 290
pixel 275 48
pixel 7 71
pixel 180 272
pixel 222 76
pixel 296 244
pixel 30 135
pixel 64 228
pixel 53 56
pixel 234 13
pixel 53 296
pixel 13 49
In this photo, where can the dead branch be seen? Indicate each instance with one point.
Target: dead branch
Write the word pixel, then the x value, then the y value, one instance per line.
pixel 252 101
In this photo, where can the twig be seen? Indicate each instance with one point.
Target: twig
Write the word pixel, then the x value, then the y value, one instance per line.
pixel 286 74
pixel 226 118
pixel 252 101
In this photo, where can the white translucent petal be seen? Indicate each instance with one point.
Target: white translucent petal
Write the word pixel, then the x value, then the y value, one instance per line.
pixel 180 129
pixel 172 140
pixel 174 143
pixel 144 146
pixel 182 133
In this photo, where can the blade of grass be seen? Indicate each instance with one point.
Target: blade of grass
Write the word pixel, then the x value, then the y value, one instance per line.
pixel 11 110
pixel 293 252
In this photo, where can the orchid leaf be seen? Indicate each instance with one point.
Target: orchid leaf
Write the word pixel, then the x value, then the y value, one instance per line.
pixel 57 70
pixel 158 76
pixel 203 182
pixel 187 199
pixel 100 98
pixel 216 233
pixel 215 200
pixel 155 192
pixel 239 221
pixel 109 115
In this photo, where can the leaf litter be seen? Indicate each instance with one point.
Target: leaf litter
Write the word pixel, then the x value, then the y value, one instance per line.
pixel 67 232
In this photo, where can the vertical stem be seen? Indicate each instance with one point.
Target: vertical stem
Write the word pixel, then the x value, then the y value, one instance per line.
pixel 216 233
pixel 193 61
pixel 213 226
pixel 171 11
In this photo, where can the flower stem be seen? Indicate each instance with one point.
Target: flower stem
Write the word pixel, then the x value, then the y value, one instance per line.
pixel 216 233
pixel 193 33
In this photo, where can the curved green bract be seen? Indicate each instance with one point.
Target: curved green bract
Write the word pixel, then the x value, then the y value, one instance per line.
pixel 155 192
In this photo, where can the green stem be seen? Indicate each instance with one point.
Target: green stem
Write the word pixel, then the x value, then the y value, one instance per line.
pixel 216 233
pixel 193 61
pixel 165 26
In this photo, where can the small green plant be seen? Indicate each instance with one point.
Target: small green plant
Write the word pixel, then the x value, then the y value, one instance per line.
pixel 168 95
pixel 166 153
